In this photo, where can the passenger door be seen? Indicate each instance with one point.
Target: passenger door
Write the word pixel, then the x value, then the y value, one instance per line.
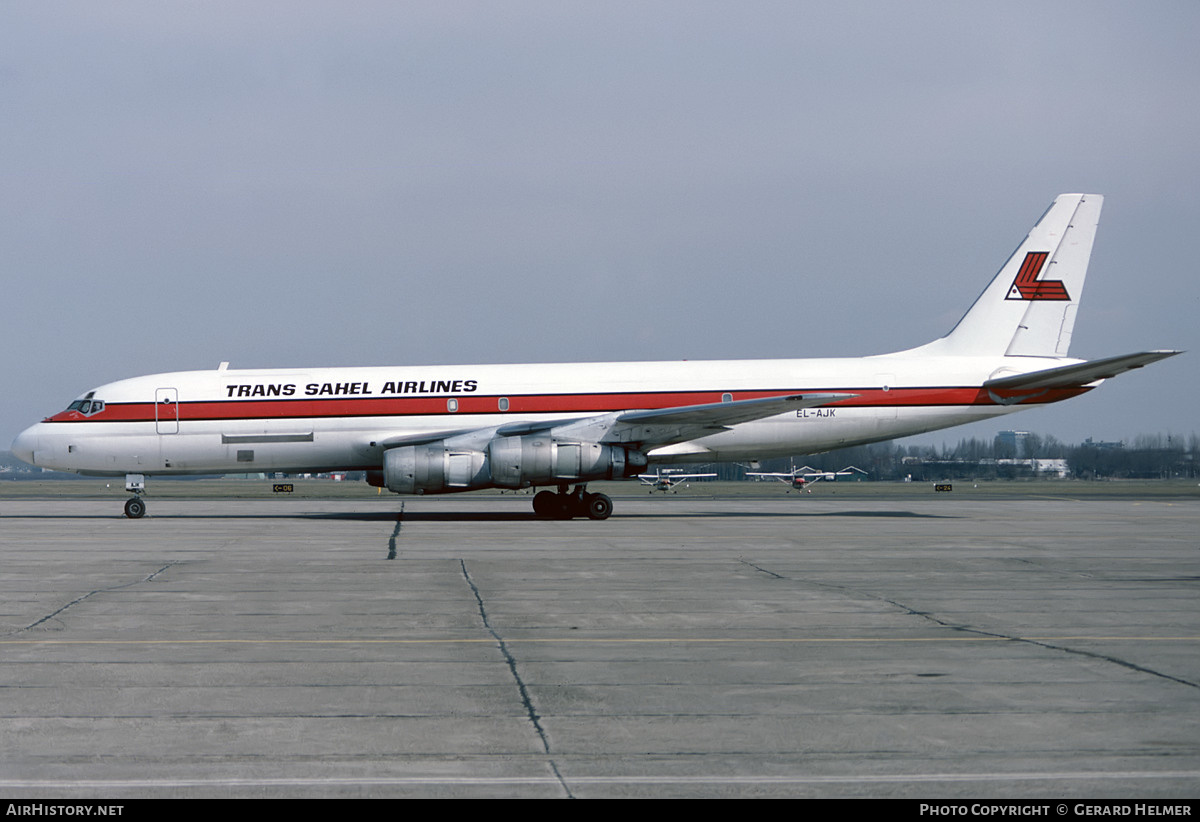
pixel 166 411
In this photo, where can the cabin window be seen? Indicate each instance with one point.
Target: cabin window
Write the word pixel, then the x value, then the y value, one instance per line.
pixel 727 398
pixel 451 405
pixel 504 403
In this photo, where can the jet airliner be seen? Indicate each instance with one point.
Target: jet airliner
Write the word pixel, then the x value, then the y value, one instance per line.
pixel 444 429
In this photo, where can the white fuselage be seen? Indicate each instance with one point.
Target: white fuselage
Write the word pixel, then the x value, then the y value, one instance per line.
pixel 444 429
pixel 240 421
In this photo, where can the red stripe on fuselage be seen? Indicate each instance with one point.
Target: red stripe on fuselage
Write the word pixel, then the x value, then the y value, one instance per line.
pixel 544 404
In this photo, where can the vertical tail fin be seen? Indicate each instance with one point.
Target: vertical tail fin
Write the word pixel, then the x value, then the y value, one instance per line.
pixel 1029 308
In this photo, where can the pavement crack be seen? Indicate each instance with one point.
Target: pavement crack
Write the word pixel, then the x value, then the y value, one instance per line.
pixel 1038 642
pixel 941 623
pixel 77 600
pixel 761 569
pixel 1094 655
pixel 526 700
pixel 395 533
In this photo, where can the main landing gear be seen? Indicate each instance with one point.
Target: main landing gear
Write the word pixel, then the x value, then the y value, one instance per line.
pixel 568 505
pixel 135 506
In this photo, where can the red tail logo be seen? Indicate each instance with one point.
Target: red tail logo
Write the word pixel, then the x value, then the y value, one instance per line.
pixel 1027 286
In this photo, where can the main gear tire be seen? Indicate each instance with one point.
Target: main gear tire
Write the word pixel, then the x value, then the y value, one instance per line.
pixel 545 503
pixel 598 506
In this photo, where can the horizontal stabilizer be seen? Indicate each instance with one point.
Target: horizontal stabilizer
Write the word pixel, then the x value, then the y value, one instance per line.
pixel 1080 374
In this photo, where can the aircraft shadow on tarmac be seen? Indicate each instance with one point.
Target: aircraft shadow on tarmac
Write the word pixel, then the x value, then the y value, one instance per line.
pixel 523 516
pixel 492 516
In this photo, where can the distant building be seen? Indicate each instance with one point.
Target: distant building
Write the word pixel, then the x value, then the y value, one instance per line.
pixel 1012 443
pixel 1104 446
pixel 1040 467
pixel 1052 468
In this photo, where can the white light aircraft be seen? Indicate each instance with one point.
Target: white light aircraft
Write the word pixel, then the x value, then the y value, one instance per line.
pixel 442 429
pixel 805 475
pixel 665 480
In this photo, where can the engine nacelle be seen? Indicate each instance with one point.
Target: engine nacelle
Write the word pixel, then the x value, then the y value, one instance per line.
pixel 434 469
pixel 518 462
pixel 507 462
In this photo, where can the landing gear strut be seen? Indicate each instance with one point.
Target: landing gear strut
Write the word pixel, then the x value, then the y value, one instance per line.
pixel 568 505
pixel 135 506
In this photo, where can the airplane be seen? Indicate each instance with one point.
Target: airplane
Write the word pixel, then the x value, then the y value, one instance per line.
pixel 445 429
pixel 806 475
pixel 664 481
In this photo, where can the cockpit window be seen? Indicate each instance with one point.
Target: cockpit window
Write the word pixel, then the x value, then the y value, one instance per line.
pixel 87 407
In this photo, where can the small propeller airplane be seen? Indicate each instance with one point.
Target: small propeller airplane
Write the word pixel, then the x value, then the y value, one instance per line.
pixel 805 475
pixel 666 480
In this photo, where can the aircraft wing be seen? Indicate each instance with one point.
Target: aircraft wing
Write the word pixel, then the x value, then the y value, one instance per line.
pixel 422 439
pixel 508 430
pixel 786 478
pixel 666 426
pixel 652 428
pixel 1080 374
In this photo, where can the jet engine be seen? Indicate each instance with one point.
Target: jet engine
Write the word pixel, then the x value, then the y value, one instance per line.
pixel 505 462
pixel 518 462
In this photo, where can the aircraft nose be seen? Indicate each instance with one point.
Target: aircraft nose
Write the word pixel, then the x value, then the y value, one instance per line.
pixel 25 444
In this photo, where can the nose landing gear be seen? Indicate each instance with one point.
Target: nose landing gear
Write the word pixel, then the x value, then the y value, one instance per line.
pixel 135 506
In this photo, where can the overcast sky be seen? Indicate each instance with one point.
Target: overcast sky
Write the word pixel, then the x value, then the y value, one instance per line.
pixel 401 183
